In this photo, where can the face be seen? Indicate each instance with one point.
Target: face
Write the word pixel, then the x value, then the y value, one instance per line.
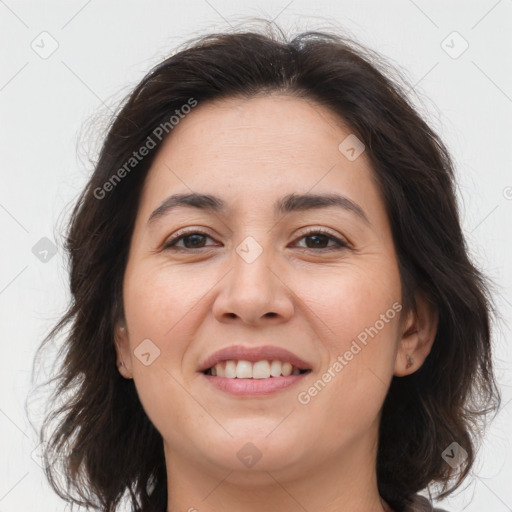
pixel 321 282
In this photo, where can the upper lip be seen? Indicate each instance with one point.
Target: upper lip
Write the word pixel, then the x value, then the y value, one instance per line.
pixel 253 354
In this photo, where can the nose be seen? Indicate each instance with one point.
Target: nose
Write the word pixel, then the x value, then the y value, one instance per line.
pixel 254 293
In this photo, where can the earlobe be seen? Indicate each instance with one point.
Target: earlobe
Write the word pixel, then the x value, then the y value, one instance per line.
pixel 418 335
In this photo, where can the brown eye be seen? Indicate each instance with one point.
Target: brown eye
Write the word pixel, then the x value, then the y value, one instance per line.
pixel 320 239
pixel 191 240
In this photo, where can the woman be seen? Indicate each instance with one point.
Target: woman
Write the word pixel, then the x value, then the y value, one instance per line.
pixel 269 250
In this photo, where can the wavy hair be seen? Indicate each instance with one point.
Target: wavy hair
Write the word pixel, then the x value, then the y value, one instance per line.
pixel 97 437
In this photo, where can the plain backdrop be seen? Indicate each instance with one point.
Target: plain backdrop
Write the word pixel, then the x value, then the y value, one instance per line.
pixel 66 65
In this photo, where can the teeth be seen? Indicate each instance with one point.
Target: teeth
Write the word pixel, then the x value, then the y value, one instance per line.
pixel 230 371
pixel 243 370
pixel 258 370
pixel 261 370
pixel 287 369
pixel 219 370
pixel 275 368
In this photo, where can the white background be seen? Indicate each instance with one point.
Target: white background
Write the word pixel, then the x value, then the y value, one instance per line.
pixel 52 111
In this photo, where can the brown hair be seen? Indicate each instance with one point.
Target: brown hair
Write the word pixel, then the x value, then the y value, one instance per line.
pixel 104 445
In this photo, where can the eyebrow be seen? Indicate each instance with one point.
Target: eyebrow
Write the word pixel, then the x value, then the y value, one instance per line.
pixel 287 204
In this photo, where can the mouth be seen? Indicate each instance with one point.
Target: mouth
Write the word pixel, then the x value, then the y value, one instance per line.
pixel 253 371
pixel 264 369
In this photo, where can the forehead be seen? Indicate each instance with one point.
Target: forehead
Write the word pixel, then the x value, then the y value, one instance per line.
pixel 274 126
pixel 249 150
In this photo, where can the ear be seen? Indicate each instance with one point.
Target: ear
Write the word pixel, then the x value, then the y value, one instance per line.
pixel 122 345
pixel 418 333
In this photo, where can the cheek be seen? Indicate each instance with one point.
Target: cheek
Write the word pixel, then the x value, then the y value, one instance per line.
pixel 358 326
pixel 357 317
pixel 359 313
pixel 158 300
pixel 354 298
pixel 159 306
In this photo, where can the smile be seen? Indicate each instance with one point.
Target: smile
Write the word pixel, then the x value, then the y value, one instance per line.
pixel 252 379
pixel 242 369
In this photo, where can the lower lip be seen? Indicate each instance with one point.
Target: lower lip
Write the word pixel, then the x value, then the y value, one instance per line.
pixel 254 387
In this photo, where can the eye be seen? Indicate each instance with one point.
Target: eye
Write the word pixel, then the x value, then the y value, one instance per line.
pixel 191 240
pixel 320 238
pixel 196 240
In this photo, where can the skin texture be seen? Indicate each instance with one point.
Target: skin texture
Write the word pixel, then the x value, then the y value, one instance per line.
pixel 320 455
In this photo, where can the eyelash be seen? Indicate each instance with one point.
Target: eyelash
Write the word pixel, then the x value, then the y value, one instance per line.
pixel 340 245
